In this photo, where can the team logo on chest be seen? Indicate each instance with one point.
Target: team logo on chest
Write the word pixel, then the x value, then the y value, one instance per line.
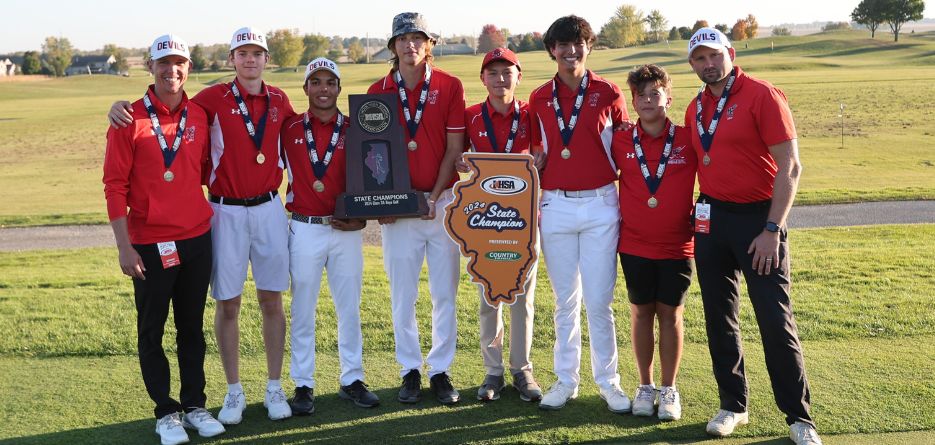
pixel 677 157
pixel 340 145
pixel 274 114
pixel 593 98
pixel 235 110
pixel 190 134
pixel 481 134
pixel 631 155
pixel 299 141
pixel 730 111
pixel 433 96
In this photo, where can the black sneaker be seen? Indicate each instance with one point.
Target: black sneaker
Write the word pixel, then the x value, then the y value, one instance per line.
pixel 411 389
pixel 303 403
pixel 358 393
pixel 444 392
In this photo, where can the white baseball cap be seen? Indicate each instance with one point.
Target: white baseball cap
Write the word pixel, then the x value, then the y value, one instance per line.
pixel 319 64
pixel 248 36
pixel 709 37
pixel 169 45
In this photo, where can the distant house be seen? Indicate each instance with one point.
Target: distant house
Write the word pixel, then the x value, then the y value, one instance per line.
pixel 90 65
pixel 9 65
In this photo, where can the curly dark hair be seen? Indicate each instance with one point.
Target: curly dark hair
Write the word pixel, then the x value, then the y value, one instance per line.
pixel 649 74
pixel 570 28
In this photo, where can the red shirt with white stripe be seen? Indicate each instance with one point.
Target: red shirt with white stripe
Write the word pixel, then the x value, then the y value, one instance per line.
pixel 756 116
pixel 443 113
pixel 160 210
pixel 502 123
pixel 235 172
pixel 301 198
pixel 590 165
pixel 663 232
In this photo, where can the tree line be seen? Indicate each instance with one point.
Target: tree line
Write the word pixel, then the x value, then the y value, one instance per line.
pixel 895 13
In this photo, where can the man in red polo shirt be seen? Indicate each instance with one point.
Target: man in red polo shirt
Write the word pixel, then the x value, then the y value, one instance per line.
pixel 500 124
pixel 657 181
pixel 431 102
pixel 154 167
pixel 313 148
pixel 249 224
pixel 573 116
pixel 745 136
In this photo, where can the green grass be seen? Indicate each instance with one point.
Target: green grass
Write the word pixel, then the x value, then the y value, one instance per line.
pixel 53 144
pixel 862 295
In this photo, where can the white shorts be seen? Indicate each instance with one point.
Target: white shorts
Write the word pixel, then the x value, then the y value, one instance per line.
pixel 258 235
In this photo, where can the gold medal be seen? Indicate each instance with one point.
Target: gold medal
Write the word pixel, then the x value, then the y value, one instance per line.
pixel 318 186
pixel 706 159
pixel 260 158
pixel 652 202
pixel 412 145
pixel 168 176
pixel 566 153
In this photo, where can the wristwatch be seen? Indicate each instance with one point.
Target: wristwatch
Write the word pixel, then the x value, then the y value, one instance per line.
pixel 771 227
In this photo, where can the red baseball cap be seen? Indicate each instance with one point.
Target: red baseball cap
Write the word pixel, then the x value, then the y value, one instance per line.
pixel 503 54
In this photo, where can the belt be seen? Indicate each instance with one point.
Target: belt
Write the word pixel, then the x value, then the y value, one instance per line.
pixel 600 191
pixel 246 202
pixel 736 207
pixel 326 220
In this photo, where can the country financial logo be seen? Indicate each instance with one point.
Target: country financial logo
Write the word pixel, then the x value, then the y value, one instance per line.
pixel 503 255
pixel 503 185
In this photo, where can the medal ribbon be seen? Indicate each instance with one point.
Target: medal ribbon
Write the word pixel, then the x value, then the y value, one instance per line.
pixel 653 182
pixel 320 166
pixel 168 155
pixel 255 133
pixel 570 128
pixel 491 135
pixel 707 137
pixel 413 123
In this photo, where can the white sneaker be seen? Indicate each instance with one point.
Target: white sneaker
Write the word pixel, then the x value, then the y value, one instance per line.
pixel 556 397
pixel 276 404
pixel 670 403
pixel 724 422
pixel 200 419
pixel 232 411
pixel 804 434
pixel 170 430
pixel 617 400
pixel 644 400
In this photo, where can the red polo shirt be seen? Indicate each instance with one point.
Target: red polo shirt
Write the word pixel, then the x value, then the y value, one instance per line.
pixel 502 123
pixel 756 116
pixel 235 172
pixel 301 198
pixel 443 113
pixel 133 174
pixel 589 166
pixel 663 232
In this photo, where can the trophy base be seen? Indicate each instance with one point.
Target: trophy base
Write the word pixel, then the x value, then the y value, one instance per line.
pixel 382 204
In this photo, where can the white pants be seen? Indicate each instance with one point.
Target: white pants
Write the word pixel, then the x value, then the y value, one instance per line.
pixel 257 235
pixel 579 241
pixel 313 248
pixel 521 323
pixel 406 244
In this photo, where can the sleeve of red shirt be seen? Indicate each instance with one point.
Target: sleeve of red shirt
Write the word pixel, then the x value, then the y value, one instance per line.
pixel 690 115
pixel 535 136
pixel 774 118
pixel 118 162
pixel 455 121
pixel 619 108
pixel 202 99
pixel 617 148
pixel 289 110
pixel 467 138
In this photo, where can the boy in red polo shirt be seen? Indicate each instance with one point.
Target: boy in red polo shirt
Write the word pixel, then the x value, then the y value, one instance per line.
pixel 154 166
pixel 573 116
pixel 431 102
pixel 501 125
pixel 657 179
pixel 249 226
pixel 313 148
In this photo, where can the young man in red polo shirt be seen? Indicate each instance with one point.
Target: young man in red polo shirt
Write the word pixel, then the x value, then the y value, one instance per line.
pixel 313 148
pixel 500 124
pixel 573 116
pixel 154 167
pixel 657 181
pixel 431 104
pixel 745 136
pixel 249 224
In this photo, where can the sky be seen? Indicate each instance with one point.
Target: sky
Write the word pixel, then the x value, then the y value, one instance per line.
pixel 90 25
